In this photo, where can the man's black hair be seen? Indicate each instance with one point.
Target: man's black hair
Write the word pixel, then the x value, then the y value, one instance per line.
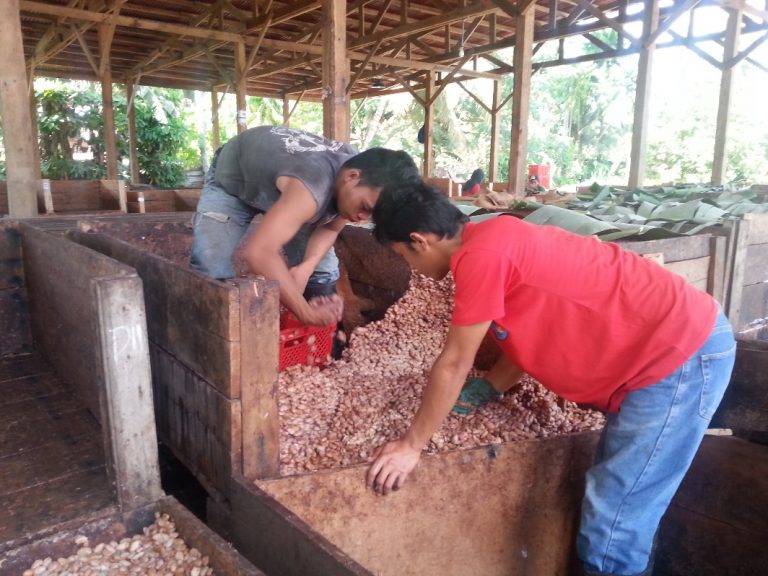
pixel 409 207
pixel 381 167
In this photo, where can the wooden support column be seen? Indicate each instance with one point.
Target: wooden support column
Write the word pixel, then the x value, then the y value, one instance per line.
pixel 130 95
pixel 106 31
pixel 429 90
pixel 286 111
pixel 335 71
pixel 518 153
pixel 14 109
pixel 719 162
pixel 216 140
pixel 643 96
pixel 240 89
pixel 493 168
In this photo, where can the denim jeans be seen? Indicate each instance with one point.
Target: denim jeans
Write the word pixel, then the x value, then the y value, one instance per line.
pixel 643 455
pixel 221 221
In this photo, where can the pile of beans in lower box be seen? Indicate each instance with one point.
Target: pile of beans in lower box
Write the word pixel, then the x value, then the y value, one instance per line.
pixel 336 416
pixel 158 551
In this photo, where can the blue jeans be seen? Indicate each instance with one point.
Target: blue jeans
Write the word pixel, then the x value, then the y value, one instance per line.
pixel 221 221
pixel 643 455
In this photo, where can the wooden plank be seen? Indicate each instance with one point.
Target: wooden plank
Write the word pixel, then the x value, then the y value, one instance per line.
pixel 24 366
pixel 738 249
pixel 753 306
pixel 128 388
pixel 194 317
pixel 15 330
pixel 223 558
pixel 200 425
pixel 758 228
pixel 523 523
pixel 717 523
pixel 696 271
pixel 260 338
pixel 674 249
pixel 521 93
pixel 756 268
pixel 32 434
pixel 54 501
pixel 717 268
pixel 278 541
pixel 75 195
pixel 187 199
pixel 744 407
pixel 59 404
pixel 62 312
pixel 112 195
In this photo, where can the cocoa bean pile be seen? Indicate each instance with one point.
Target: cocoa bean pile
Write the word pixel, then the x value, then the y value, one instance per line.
pixel 157 552
pixel 336 416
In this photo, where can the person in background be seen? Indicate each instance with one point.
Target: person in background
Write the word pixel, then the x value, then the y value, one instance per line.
pixel 472 186
pixel 296 191
pixel 533 187
pixel 623 334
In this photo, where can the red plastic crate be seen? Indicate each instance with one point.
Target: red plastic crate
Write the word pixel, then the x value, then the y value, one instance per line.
pixel 302 344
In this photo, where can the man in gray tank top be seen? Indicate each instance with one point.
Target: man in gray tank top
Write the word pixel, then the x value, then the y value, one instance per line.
pixel 293 192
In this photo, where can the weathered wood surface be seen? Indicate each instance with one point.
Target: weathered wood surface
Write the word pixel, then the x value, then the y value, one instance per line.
pixel 106 527
pixel 744 407
pixel 122 329
pixel 63 317
pixel 674 249
pixel 279 542
pixel 171 240
pixel 200 425
pixel 51 450
pixel 15 334
pixel 717 523
pixel 188 313
pixel 508 509
pixel 260 334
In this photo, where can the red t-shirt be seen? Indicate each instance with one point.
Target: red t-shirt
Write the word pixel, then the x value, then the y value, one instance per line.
pixel 587 319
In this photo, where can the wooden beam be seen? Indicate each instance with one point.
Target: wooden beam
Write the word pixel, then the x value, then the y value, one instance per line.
pixel 216 139
pixel 642 97
pixel 130 96
pixel 600 15
pixel 669 20
pixel 106 32
pixel 732 35
pixel 518 153
pixel 335 71
pixel 429 85
pixel 241 80
pixel 493 168
pixel 15 112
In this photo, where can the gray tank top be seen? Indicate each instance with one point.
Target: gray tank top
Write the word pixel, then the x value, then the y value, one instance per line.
pixel 249 165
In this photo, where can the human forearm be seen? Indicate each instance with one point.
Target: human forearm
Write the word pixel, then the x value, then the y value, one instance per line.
pixel 321 240
pixel 443 387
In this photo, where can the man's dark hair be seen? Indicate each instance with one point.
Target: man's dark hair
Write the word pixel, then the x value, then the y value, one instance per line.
pixel 381 167
pixel 407 207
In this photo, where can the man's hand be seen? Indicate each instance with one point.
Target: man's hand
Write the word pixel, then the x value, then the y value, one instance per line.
pixel 392 464
pixel 323 311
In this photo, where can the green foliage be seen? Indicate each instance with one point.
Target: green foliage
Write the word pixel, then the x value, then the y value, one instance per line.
pixel 162 137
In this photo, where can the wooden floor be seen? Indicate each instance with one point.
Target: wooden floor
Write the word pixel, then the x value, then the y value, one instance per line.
pixel 51 454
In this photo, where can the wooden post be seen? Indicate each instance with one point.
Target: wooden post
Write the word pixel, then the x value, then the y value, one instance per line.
pixel 240 89
pixel 122 196
pixel 216 140
pixel 105 68
pixel 130 96
pixel 128 388
pixel 518 153
pixel 733 32
pixel 335 71
pixel 14 109
pixel 493 168
pixel 259 338
pixel 643 96
pixel 286 111
pixel 429 89
pixel 47 195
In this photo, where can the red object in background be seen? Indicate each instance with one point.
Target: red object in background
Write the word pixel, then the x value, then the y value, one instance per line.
pixel 302 344
pixel 474 190
pixel 541 171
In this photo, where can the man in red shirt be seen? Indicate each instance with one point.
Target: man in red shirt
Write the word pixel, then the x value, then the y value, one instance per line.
pixel 623 334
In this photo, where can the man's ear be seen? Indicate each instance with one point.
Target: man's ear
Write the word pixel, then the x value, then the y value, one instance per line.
pixel 350 175
pixel 419 241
